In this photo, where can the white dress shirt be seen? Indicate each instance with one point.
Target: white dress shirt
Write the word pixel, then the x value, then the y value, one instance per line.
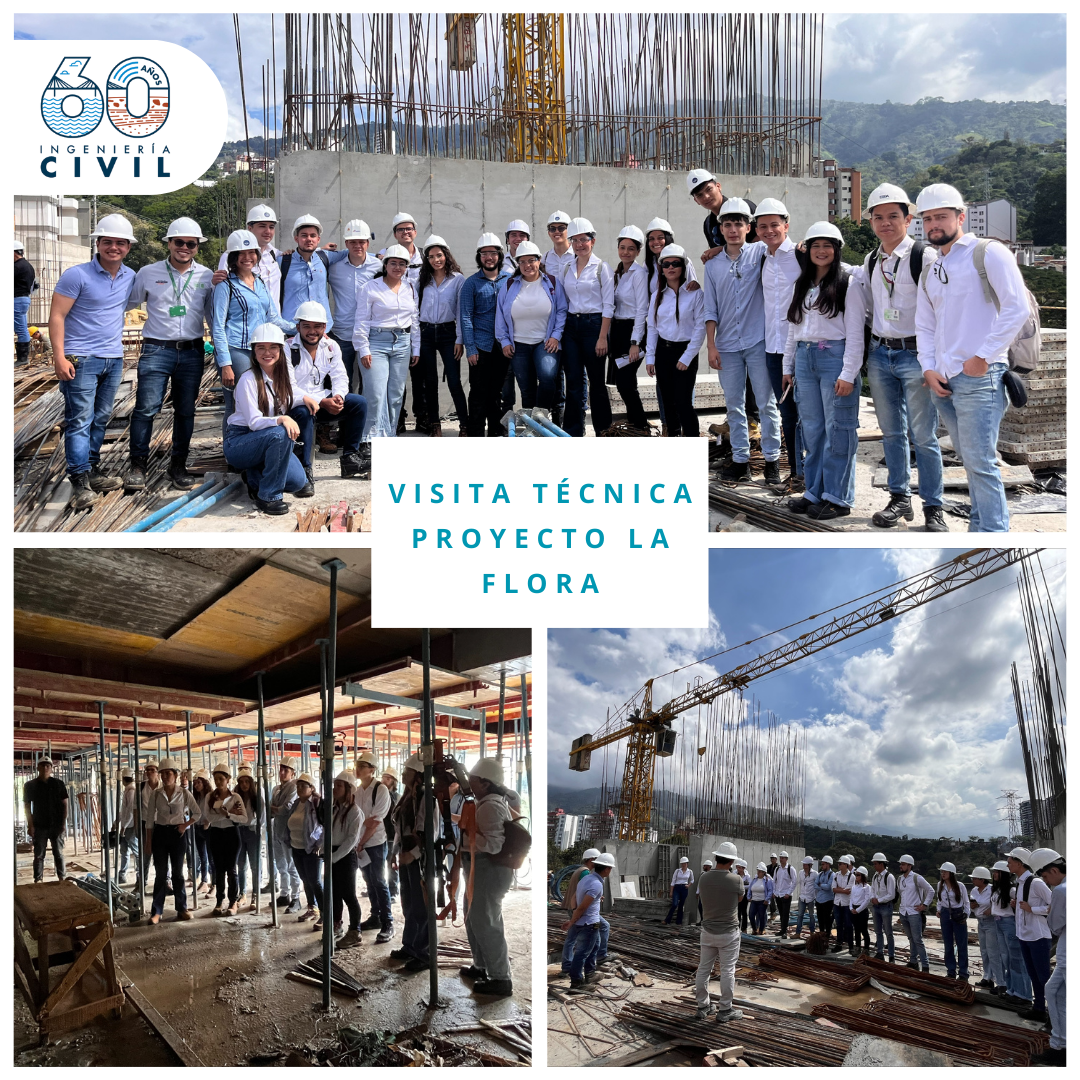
pixel 807 886
pixel 162 287
pixel 683 877
pixel 632 299
pixel 778 277
pixel 219 811
pixel 860 897
pixel 416 260
pixel 979 898
pixel 266 268
pixel 246 413
pixel 1031 925
pixel 439 304
pixel 955 321
pixel 785 880
pixel 654 277
pixel 147 795
pixel 947 901
pixel 309 375
pixel 177 810
pixel 902 298
pixel 1002 911
pixel 374 801
pixel 843 881
pixel 127 808
pixel 883 887
pixel 913 889
pixel 556 264
pixel 592 292
pixel 846 327
pixel 378 307
pixel 690 326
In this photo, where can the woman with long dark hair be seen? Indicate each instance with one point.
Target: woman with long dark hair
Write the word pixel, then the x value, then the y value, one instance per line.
pixel 658 235
pixel 222 810
pixel 676 332
pixel 200 788
pixel 306 840
pixel 438 289
pixel 953 909
pixel 626 343
pixel 980 895
pixel 250 855
pixel 823 357
pixel 1017 981
pixel 345 834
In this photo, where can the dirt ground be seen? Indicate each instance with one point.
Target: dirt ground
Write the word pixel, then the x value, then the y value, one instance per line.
pixel 220 983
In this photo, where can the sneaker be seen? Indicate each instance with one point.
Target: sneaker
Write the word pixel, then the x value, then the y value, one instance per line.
pixel 184 916
pixel 800 505
pixel 1039 1015
pixel 83 495
pixel 414 964
pixel 294 906
pixel 925 971
pixel 934 517
pixel 318 924
pixel 772 472
pixel 220 909
pixel 736 472
pixel 984 983
pixel 102 481
pixel 265 889
pixel 311 913
pixel 372 922
pixel 826 511
pixel 727 1015
pixel 283 901
pixel 122 879
pixel 385 934
pixel 494 987
pixel 912 965
pixel 400 954
pixel 233 909
pixel 899 507
pixel 135 475
pixel 351 465
pixel 349 940
pixel 705 1011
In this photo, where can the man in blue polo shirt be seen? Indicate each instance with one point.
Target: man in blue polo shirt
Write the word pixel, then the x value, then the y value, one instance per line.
pixel 86 328
pixel 304 271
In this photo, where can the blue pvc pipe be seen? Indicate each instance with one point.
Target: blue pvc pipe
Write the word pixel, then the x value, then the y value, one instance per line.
pixel 200 506
pixel 555 429
pixel 534 426
pixel 168 508
pixel 510 428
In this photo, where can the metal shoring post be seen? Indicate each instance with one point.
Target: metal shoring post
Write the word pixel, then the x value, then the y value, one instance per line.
pixel 502 713
pixel 192 847
pixel 143 853
pixel 326 759
pixel 119 799
pixel 355 736
pixel 409 726
pixel 266 803
pixel 427 747
pixel 525 732
pixel 104 796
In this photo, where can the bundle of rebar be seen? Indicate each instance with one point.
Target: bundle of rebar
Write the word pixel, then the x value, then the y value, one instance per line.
pixel 765 515
pixel 825 972
pixel 311 971
pixel 771 1037
pixel 922 981
pixel 946 1032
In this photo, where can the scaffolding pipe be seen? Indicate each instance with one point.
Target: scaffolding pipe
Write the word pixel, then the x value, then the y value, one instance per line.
pixel 104 798
pixel 525 732
pixel 502 713
pixel 427 747
pixel 193 850
pixel 264 777
pixel 143 852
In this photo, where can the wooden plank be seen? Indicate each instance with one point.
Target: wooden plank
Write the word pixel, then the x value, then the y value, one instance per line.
pixel 158 1022
pixel 81 1015
pixel 637 1056
pixel 24 965
pixel 54 703
pixel 132 694
pixel 56 906
pixel 78 969
pixel 71 638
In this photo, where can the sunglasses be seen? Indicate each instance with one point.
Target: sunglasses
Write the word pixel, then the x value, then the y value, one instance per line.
pixel 671 264
pixel 556 228
pixel 190 244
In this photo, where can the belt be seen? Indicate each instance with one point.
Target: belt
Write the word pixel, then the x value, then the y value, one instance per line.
pixel 392 329
pixel 436 325
pixel 193 343
pixel 909 344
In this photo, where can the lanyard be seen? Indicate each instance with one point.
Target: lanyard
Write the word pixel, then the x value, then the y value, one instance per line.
pixel 179 295
pixel 889 276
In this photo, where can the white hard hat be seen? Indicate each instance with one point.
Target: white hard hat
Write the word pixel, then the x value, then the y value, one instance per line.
pixel 762 866
pixel 396 251
pixel 306 778
pixel 434 240
pixel 150 763
pixel 658 224
pixel 489 239
pixel 808 860
pixel 269 334
pixel 357 229
pixel 696 178
pixel 708 864
pixel 632 232
pixel 824 230
pixel 400 219
pixel 604 859
pixel 783 855
pixel 168 763
pixel 185 226
pixel 580 226
pixel 262 212
pixel 390 771
pixel 1001 864
pixel 242 240
pixel 773 855
pixel 244 770
pixel 310 311
pixel 517 225
pixel 1041 857
pixel 559 218
pixel 772 206
pixel 889 193
pixel 589 853
pixel 347 776
pixel 740 862
pixel 368 758
pixel 683 859
pixel 880 856
pixel 907 859
pixel 1021 854
pixel 488 768
pixel 826 859
pixel 526 247
pixel 951 867
pixel 202 774
pixel 847 859
pixel 980 872
pixel 45 760
pixel 115 225
pixel 286 762
pixel 726 850
pixel 18 246
pixel 415 763
pixel 861 870
pixel 939 197
pixel 673 251
pixel 736 206
pixel 222 767
pixel 306 219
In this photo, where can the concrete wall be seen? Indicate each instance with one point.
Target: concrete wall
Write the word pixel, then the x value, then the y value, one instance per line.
pixel 460 199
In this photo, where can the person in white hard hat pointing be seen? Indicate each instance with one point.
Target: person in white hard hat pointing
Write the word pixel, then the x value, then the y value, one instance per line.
pixel 86 328
pixel 719 892
pixel 964 325
pixel 177 293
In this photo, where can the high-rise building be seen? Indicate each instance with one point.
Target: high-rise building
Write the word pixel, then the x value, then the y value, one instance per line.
pixel 845 190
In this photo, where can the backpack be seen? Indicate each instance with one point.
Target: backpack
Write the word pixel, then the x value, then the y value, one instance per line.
pixel 916 261
pixel 516 844
pixel 286 261
pixel 327 383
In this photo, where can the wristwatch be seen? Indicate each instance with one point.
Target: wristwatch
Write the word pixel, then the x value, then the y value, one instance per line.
pixel 633 342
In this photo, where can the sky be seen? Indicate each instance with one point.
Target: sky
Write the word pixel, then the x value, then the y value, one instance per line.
pixel 870 58
pixel 910 726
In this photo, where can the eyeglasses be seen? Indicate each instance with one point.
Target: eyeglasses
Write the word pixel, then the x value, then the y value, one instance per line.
pixel 405 228
pixel 190 244
pixel 734 269
pixel 671 264
pixel 940 273
pixel 556 228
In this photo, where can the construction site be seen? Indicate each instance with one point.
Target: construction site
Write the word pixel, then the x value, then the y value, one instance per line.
pixel 239 662
pixel 689 772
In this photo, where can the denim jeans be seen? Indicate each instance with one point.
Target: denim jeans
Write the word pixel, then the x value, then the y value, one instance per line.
pixel 805 907
pixel 203 857
pixel 129 849
pixel 249 856
pixel 309 867
pixel 714 947
pixel 157 365
pixel 384 381
pixel 343 878
pixel 350 420
pixel 241 362
pixel 759 913
pixel 973 415
pixel 1018 983
pixel 484 920
pixel 955 938
pixel 990 951
pixel 736 367
pixel 829 423
pixel 676 388
pixel 585 375
pixel 537 374
pixel 1055 1005
pixel 414 934
pixel 789 412
pixel 267 455
pixel 54 837
pixel 902 403
pixel 844 926
pixel 1037 961
pixel 486 379
pixel 916 948
pixel 375 879
pixel 883 927
pixel 288 880
pixel 88 404
pixel 678 900
pixel 22 306
pixel 352 368
pixel 586 943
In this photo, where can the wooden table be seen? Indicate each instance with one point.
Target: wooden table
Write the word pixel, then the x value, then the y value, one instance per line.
pixel 61 907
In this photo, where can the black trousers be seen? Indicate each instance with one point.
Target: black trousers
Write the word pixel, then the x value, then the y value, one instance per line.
pixel 744 907
pixel 486 378
pixel 789 411
pixel 224 847
pixel 343 878
pixel 825 917
pixel 437 339
pixel 168 847
pixel 783 905
pixel 309 867
pixel 861 922
pixel 676 388
pixel 625 378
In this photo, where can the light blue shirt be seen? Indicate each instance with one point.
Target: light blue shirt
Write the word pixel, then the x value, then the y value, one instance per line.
pixel 94 326
pixel 591 885
pixel 306 281
pixel 238 312
pixel 345 280
pixel 823 883
pixel 733 298
pixel 161 287
pixel 477 308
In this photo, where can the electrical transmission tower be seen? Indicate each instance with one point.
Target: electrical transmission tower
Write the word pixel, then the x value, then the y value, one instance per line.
pixel 1010 811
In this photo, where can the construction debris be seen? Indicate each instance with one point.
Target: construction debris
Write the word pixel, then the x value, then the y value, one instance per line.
pixel 311 971
pixel 336 518
pixel 825 972
pixel 766 514
pixel 921 981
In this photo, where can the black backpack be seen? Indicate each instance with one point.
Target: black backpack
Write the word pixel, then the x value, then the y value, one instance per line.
pixel 327 383
pixel 286 262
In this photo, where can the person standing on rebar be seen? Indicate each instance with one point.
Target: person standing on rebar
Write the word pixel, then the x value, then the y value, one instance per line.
pixel 980 896
pixel 585 919
pixel 262 224
pixel 250 856
pixel 24 287
pixel 569 902
pixel 807 889
pixel 824 896
pixel 148 790
pixel 720 893
pixel 706 866
pixel 914 894
pixel 843 881
pixel 1032 905
pixel 45 802
pixel 860 913
pixel 438 291
pixel 785 885
pixel 127 828
pixel 681 880
pixel 376 803
pixel 1017 988
pixel 882 902
pixel 173 812
pixel 953 909
pixel 282 802
pixel 1053 874
pixel 744 903
pixel 345 835
pixel 306 841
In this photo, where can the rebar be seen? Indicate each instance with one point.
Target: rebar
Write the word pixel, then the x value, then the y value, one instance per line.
pixel 825 972
pixel 939 986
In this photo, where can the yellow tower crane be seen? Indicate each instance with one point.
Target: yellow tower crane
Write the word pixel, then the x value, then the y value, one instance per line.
pixel 534 100
pixel 649 732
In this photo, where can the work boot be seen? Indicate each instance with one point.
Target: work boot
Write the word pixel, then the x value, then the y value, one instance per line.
pixel 826 511
pixel 283 900
pixel 899 507
pixel 372 922
pixel 274 509
pixel 22 352
pixel 934 517
pixel 323 440
pixel 577 984
pixel 772 472
pixel 294 906
pixel 308 490
pixel 494 987
pixel 400 954
pixel 135 475
pixel 472 972
pixel 800 505
pixel 725 1016
pixel 736 472
pixel 705 1011
pixel 265 888
pixel 348 940
pixel 184 916
pixel 435 431
pixel 83 495
pixel 415 964
pixel 352 465
pixel 179 476
pixel 385 934
pixel 102 481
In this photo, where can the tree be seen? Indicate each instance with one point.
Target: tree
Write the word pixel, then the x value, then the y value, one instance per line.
pixel 1048 221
